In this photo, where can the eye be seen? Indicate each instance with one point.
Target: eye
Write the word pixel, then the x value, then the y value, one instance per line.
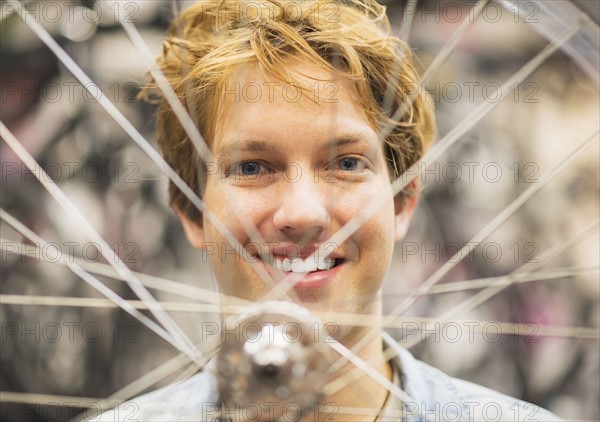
pixel 350 164
pixel 249 168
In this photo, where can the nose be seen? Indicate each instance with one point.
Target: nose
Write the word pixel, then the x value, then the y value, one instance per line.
pixel 302 212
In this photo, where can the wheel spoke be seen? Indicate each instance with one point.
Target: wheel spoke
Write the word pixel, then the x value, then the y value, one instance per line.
pixel 172 328
pixel 105 270
pixel 94 282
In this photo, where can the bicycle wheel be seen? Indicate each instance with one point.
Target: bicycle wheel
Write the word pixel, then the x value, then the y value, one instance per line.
pixel 540 337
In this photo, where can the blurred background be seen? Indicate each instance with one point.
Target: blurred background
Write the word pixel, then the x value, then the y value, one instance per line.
pixel 89 352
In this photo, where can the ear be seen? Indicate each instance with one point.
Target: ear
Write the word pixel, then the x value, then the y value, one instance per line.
pixel 193 230
pixel 405 210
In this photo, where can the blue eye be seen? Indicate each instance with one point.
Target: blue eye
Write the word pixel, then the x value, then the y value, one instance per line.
pixel 250 172
pixel 348 164
pixel 249 168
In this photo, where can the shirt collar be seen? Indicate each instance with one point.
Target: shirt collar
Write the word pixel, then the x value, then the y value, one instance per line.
pixel 425 385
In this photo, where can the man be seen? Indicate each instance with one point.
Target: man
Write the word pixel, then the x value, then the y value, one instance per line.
pixel 291 98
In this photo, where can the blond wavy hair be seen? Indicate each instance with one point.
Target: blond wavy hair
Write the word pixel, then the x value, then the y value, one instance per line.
pixel 211 39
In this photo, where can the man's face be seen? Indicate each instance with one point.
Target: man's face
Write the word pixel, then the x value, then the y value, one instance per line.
pixel 299 170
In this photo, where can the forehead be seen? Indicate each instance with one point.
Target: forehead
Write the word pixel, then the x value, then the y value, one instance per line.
pixel 255 106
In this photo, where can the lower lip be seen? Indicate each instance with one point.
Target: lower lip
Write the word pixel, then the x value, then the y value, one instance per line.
pixel 311 281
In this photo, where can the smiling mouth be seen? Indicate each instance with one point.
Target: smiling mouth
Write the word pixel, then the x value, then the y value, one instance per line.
pixel 303 266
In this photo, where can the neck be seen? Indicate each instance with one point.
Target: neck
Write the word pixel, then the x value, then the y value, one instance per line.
pixel 357 396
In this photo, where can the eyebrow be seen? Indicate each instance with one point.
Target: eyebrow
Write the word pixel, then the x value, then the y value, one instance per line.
pixel 255 145
pixel 246 146
pixel 351 139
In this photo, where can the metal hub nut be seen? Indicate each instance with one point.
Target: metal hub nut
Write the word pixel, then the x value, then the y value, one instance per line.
pixel 272 357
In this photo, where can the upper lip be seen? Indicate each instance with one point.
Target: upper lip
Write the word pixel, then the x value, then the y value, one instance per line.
pixel 291 251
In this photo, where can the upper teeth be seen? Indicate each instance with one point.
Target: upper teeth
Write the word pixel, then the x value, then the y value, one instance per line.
pixel 297 265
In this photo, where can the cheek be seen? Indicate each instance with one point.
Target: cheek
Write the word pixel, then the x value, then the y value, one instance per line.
pixel 349 201
pixel 234 207
pixel 375 239
pixel 250 210
pixel 353 202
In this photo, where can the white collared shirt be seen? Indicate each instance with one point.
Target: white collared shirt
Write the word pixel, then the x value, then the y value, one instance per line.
pixel 435 397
